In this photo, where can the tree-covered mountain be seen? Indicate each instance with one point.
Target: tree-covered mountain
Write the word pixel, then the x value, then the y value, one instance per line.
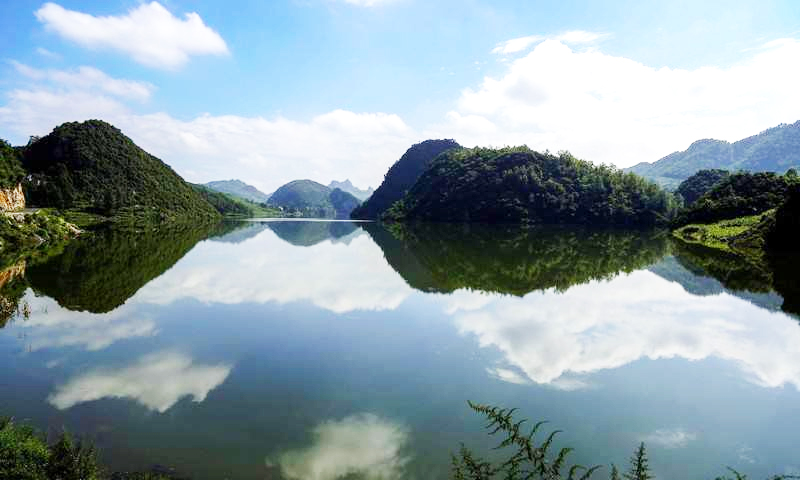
pixel 698 184
pixel 518 185
pixel 224 203
pixel 738 195
pixel 401 177
pixel 347 186
pixel 11 171
pixel 307 198
pixel 238 188
pixel 91 166
pixel 774 150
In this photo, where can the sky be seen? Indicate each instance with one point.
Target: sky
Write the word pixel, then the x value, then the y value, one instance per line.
pixel 272 91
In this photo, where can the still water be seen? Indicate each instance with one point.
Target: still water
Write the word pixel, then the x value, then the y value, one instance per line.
pixel 332 350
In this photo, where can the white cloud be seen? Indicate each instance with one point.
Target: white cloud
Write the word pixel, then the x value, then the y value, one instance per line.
pixel 89 79
pixel 267 152
pixel 670 438
pixel 213 273
pixel 47 53
pixel 51 326
pixel 149 33
pixel 157 381
pixel 558 339
pixel 359 446
pixel 613 109
pixel 572 37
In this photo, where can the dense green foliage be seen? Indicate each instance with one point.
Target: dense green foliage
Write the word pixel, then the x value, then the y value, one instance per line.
pixel 93 167
pixel 517 185
pixel 774 150
pixel 239 189
pixel 32 236
pixel 309 199
pixel 534 458
pixel 100 272
pixel 224 203
pixel 401 177
pixel 740 194
pixel 785 231
pixel 348 187
pixel 512 260
pixel 11 171
pixel 699 184
pixel 25 455
pixel 306 234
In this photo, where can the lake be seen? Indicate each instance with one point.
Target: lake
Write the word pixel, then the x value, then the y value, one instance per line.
pixel 327 350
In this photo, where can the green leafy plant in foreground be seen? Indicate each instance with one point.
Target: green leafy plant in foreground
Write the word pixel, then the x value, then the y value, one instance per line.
pixel 532 459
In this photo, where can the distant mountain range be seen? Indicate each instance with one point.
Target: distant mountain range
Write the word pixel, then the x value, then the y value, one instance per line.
pixel 348 187
pixel 774 150
pixel 238 188
pixel 307 198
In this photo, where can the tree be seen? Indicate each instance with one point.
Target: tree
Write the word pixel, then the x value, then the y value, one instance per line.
pixel 639 469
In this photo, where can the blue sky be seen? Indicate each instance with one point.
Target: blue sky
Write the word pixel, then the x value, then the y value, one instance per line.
pixel 270 91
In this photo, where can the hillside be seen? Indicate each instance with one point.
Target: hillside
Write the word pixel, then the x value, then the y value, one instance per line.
pixel 347 186
pixel 739 195
pixel 307 198
pixel 223 203
pixel 239 189
pixel 11 171
pixel 517 185
pixel 698 184
pixel 401 177
pixel 774 150
pixel 92 167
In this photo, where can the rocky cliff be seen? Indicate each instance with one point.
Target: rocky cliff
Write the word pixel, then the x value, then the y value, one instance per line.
pixel 12 199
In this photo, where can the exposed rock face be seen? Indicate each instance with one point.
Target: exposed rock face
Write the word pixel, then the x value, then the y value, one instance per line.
pixel 12 199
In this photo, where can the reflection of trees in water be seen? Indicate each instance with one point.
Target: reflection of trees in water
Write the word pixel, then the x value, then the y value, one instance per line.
pixel 775 273
pixel 12 289
pixel 306 234
pixel 100 272
pixel 513 259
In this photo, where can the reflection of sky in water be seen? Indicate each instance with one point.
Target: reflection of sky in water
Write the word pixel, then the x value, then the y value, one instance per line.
pixel 331 331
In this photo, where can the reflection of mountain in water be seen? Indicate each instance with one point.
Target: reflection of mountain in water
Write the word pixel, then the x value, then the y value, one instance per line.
pixel 510 259
pixel 238 231
pixel 770 284
pixel 100 272
pixel 307 233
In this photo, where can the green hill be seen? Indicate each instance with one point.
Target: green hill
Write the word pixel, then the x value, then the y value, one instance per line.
pixel 698 184
pixel 401 177
pixel 517 185
pixel 223 203
pixel 238 188
pixel 11 171
pixel 307 198
pixel 741 194
pixel 92 167
pixel 774 150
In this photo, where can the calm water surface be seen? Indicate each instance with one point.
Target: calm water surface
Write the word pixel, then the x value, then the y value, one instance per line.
pixel 328 350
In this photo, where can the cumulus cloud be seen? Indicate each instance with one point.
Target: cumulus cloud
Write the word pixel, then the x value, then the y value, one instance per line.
pixel 51 326
pixel 266 151
pixel 558 339
pixel 572 37
pixel 616 110
pixel 89 79
pixel 217 274
pixel 363 445
pixel 670 438
pixel 156 381
pixel 149 33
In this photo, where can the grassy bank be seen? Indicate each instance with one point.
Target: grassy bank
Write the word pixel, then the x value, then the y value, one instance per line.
pixel 743 235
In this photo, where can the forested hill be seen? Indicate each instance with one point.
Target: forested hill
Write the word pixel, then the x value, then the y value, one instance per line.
pixel 307 198
pixel 401 177
pixel 774 150
pixel 517 185
pixel 11 171
pixel 239 189
pixel 91 166
pixel 347 186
